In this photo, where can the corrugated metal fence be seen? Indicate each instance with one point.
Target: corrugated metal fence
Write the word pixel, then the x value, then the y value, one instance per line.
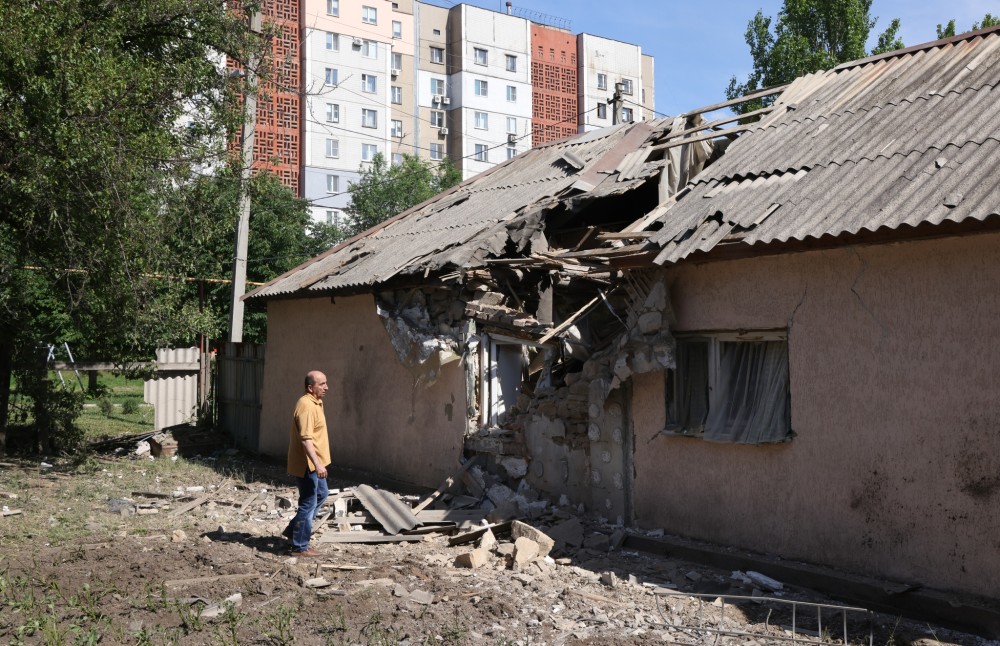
pixel 173 392
pixel 239 382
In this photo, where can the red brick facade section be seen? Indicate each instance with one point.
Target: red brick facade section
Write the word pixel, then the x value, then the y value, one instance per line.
pixel 277 141
pixel 553 80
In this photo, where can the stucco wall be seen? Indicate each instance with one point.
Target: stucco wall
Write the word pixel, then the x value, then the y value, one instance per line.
pixel 377 420
pixel 895 400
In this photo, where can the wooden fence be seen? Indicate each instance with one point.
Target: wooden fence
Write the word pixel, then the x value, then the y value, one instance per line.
pixel 239 383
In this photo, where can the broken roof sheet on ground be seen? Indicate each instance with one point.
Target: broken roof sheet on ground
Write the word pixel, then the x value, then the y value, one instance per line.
pixel 451 227
pixel 900 139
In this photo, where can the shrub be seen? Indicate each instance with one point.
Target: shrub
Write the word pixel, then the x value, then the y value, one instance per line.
pixel 106 406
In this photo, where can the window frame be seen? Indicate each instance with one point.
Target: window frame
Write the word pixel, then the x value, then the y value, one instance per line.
pixel 333 8
pixel 481 88
pixel 369 49
pixel 437 55
pixel 329 72
pixel 437 118
pixel 482 120
pixel 602 81
pixel 332 184
pixel 396 92
pixel 332 148
pixel 437 151
pixel 481 152
pixel 365 147
pixel 436 84
pixel 511 94
pixel 369 80
pixel 510 62
pixel 602 110
pixel 511 125
pixel 333 113
pixel 397 29
pixel 332 43
pixel 396 61
pixel 627 86
pixel 369 116
pixel 480 56
pixel 369 15
pixel 396 128
pixel 673 382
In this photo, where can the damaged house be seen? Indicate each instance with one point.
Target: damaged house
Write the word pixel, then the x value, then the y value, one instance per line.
pixel 779 336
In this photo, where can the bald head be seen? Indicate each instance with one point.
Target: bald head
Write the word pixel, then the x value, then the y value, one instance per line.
pixel 316 383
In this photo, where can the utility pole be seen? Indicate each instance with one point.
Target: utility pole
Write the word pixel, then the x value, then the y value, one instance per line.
pixel 616 102
pixel 243 228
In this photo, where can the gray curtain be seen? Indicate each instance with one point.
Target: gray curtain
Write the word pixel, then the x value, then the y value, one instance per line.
pixel 751 406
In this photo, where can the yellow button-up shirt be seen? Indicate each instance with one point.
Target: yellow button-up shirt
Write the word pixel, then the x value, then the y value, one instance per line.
pixel 308 423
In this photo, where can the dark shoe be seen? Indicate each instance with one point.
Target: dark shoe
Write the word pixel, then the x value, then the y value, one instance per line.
pixel 287 532
pixel 308 552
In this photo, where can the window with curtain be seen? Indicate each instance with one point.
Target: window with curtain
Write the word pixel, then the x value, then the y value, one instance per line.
pixel 730 387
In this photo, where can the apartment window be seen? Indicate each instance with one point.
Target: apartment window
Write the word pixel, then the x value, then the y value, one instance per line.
pixel 730 387
pixel 482 120
pixel 333 7
pixel 333 112
pixel 626 86
pixel 369 83
pixel 512 125
pixel 369 49
pixel 333 217
pixel 480 56
pixel 369 118
pixel 482 154
pixel 397 61
pixel 602 110
pixel 332 148
pixel 437 32
pixel 437 86
pixel 333 42
pixel 552 54
pixel 330 75
pixel 511 63
pixel 511 152
pixel 602 81
pixel 396 94
pixel 437 151
pixel 397 159
pixel 511 93
pixel 369 15
pixel 437 54
pixel 333 183
pixel 562 57
pixel 627 115
pixel 368 152
pixel 397 29
pixel 437 118
pixel 482 88
pixel 397 128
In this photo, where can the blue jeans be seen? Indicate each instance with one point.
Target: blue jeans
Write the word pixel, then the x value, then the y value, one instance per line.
pixel 312 494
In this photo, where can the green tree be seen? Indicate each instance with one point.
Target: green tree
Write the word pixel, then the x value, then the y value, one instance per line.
pixel 203 219
pixel 947 31
pixel 809 35
pixel 385 190
pixel 105 110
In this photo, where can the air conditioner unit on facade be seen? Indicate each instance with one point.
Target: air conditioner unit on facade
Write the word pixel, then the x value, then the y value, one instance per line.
pixel 443 132
pixel 395 72
pixel 436 98
pixel 356 42
pixel 446 100
pixel 511 138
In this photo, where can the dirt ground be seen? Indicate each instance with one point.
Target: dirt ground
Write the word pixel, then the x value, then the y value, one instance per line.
pixel 126 550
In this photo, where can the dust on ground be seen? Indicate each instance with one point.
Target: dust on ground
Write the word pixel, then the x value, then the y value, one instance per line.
pixel 129 550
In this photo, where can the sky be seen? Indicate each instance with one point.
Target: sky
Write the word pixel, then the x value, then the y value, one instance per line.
pixel 699 45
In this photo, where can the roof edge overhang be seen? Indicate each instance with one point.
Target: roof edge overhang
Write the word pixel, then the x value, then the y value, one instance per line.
pixel 904 233
pixel 916 48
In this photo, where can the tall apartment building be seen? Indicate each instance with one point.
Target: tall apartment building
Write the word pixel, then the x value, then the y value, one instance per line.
pixel 474 85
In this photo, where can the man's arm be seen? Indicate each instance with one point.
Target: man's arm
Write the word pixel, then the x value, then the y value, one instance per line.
pixel 310 449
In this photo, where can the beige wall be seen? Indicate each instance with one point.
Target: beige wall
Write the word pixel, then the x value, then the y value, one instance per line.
pixel 377 420
pixel 895 399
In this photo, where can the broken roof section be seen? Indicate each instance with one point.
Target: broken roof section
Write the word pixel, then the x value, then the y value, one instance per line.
pixel 493 215
pixel 902 139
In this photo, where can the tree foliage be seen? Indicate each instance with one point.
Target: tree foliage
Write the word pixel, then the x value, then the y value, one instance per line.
pixel 809 35
pixel 385 190
pixel 107 110
pixel 948 30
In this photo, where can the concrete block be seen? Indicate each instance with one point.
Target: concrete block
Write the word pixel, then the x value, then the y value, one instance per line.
pixel 650 322
pixel 545 543
pixel 488 541
pixel 422 597
pixel 475 559
pixel 514 466
pixel 525 551
pixel 597 541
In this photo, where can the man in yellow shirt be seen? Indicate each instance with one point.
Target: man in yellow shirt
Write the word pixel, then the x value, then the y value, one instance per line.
pixel 308 458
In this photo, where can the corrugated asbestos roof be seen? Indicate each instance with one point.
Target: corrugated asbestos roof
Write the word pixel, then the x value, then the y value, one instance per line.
pixel 451 228
pixel 895 140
